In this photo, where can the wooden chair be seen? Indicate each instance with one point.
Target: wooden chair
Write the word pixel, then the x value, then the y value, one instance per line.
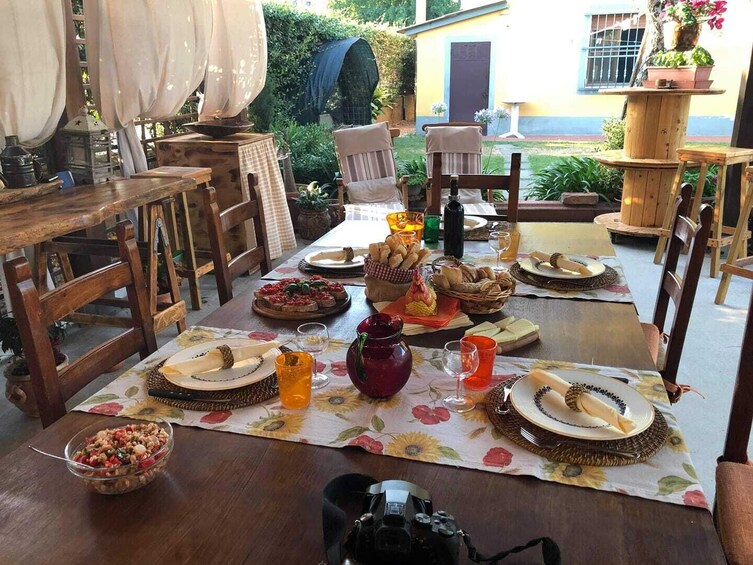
pixel 366 153
pixel 488 183
pixel 733 511
pixel 34 314
pixel 220 222
pixel 681 290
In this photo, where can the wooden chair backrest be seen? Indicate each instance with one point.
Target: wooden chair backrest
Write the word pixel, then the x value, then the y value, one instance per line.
pixel 509 183
pixel 741 413
pixel 681 290
pixel 34 315
pixel 220 222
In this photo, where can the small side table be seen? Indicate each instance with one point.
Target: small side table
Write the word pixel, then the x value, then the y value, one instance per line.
pixel 514 119
pixel 737 258
pixel 190 269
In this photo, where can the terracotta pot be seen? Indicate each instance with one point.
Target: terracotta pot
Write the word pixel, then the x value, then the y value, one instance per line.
pixel 313 224
pixel 681 37
pixel 18 389
pixel 681 77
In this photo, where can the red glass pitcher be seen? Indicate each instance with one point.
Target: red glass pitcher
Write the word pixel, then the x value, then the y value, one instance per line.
pixel 379 361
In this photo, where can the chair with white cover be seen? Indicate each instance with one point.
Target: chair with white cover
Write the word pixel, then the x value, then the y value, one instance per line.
pixel 369 185
pixel 456 149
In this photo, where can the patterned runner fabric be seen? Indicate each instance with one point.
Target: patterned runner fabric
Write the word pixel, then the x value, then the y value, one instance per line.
pixel 261 159
pixel 616 292
pixel 413 424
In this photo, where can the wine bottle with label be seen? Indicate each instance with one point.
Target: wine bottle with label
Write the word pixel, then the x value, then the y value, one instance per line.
pixel 453 222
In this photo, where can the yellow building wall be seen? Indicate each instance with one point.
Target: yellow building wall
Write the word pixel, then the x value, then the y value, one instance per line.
pixel 537 51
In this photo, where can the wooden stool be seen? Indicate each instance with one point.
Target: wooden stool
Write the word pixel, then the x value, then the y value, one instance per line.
pixel 721 235
pixel 189 269
pixel 736 258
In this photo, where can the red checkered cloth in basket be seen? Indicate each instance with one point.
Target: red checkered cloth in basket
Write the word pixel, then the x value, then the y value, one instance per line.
pixel 386 273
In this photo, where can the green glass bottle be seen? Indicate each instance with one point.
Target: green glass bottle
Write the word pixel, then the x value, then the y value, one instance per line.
pixel 453 222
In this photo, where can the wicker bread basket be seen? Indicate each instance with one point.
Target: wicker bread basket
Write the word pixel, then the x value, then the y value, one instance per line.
pixel 473 302
pixel 477 302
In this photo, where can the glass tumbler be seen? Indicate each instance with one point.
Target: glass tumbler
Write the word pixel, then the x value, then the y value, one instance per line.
pixel 294 369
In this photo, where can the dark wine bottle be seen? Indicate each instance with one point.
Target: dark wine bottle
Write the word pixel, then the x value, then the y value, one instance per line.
pixel 453 222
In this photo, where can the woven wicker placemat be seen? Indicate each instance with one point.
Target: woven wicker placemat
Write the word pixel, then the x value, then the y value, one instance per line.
pixel 305 267
pixel 647 443
pixel 608 277
pixel 237 397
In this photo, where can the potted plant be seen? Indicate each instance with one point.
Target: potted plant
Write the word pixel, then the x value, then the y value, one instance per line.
pixel 685 69
pixel 415 171
pixel 313 212
pixel 18 389
pixel 683 62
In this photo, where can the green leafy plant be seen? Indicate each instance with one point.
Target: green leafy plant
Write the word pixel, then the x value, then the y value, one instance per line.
pixel 709 187
pixel 312 197
pixel 698 57
pixel 415 170
pixel 573 174
pixel 312 151
pixel 614 132
pixel 379 101
pixel 10 341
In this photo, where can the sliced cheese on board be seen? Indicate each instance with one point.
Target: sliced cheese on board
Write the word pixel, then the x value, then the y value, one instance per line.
pixel 484 326
pixel 502 324
pixel 522 328
pixel 505 337
pixel 488 333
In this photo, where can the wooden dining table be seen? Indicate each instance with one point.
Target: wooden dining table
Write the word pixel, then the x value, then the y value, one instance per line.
pixel 230 498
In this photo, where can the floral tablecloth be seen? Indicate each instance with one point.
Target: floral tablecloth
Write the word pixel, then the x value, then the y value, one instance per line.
pixel 413 424
pixel 616 292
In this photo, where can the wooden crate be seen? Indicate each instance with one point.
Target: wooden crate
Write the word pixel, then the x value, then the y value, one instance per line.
pixel 228 178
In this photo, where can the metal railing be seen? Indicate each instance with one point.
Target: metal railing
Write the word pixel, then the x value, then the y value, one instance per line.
pixel 613 46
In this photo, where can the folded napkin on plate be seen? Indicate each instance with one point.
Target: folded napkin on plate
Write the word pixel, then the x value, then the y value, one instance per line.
pixel 562 262
pixel 344 254
pixel 214 360
pixel 460 320
pixel 588 403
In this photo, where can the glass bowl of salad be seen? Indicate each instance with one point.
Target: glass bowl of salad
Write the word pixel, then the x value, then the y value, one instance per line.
pixel 120 455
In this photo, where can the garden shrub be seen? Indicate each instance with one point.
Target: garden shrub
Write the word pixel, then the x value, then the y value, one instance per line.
pixel 574 174
pixel 312 152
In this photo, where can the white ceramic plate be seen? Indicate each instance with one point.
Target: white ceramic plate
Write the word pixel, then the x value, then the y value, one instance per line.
pixel 241 374
pixel 541 269
pixel 547 409
pixel 330 264
pixel 470 223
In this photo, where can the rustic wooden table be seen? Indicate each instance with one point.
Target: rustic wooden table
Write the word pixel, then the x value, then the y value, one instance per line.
pixel 31 222
pixel 229 498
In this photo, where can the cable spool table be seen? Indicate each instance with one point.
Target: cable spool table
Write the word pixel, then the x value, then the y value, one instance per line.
pixel 655 127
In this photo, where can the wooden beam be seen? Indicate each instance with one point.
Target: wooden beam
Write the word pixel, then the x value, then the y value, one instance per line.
pixel 742 136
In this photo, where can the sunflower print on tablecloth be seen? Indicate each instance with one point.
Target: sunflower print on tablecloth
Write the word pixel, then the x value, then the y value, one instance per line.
pixel 151 409
pixel 338 400
pixel 652 388
pixel 277 424
pixel 478 414
pixel 383 403
pixel 675 441
pixel 194 336
pixel 578 475
pixel 414 445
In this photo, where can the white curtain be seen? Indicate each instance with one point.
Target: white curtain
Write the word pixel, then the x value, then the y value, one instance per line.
pixel 237 68
pixel 32 69
pixel 145 56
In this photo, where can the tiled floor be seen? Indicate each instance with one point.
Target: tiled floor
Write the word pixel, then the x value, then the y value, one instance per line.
pixel 709 361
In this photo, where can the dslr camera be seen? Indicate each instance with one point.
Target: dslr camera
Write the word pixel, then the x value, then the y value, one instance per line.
pixel 398 526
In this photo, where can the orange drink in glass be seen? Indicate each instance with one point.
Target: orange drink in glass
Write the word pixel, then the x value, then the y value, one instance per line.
pixel 487 352
pixel 294 370
pixel 407 221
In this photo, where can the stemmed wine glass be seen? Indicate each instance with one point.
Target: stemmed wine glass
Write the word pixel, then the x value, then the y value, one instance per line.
pixel 499 241
pixel 460 360
pixel 314 338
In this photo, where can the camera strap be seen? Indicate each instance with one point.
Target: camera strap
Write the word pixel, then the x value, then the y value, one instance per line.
pixel 549 549
pixel 334 519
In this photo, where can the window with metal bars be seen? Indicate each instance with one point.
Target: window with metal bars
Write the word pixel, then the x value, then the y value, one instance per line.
pixel 613 44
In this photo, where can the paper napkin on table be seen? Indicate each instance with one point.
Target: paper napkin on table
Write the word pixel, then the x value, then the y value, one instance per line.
pixel 460 320
pixel 213 359
pixel 562 263
pixel 447 308
pixel 588 403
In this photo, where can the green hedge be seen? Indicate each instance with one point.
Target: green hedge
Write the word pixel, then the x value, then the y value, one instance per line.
pixel 293 39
